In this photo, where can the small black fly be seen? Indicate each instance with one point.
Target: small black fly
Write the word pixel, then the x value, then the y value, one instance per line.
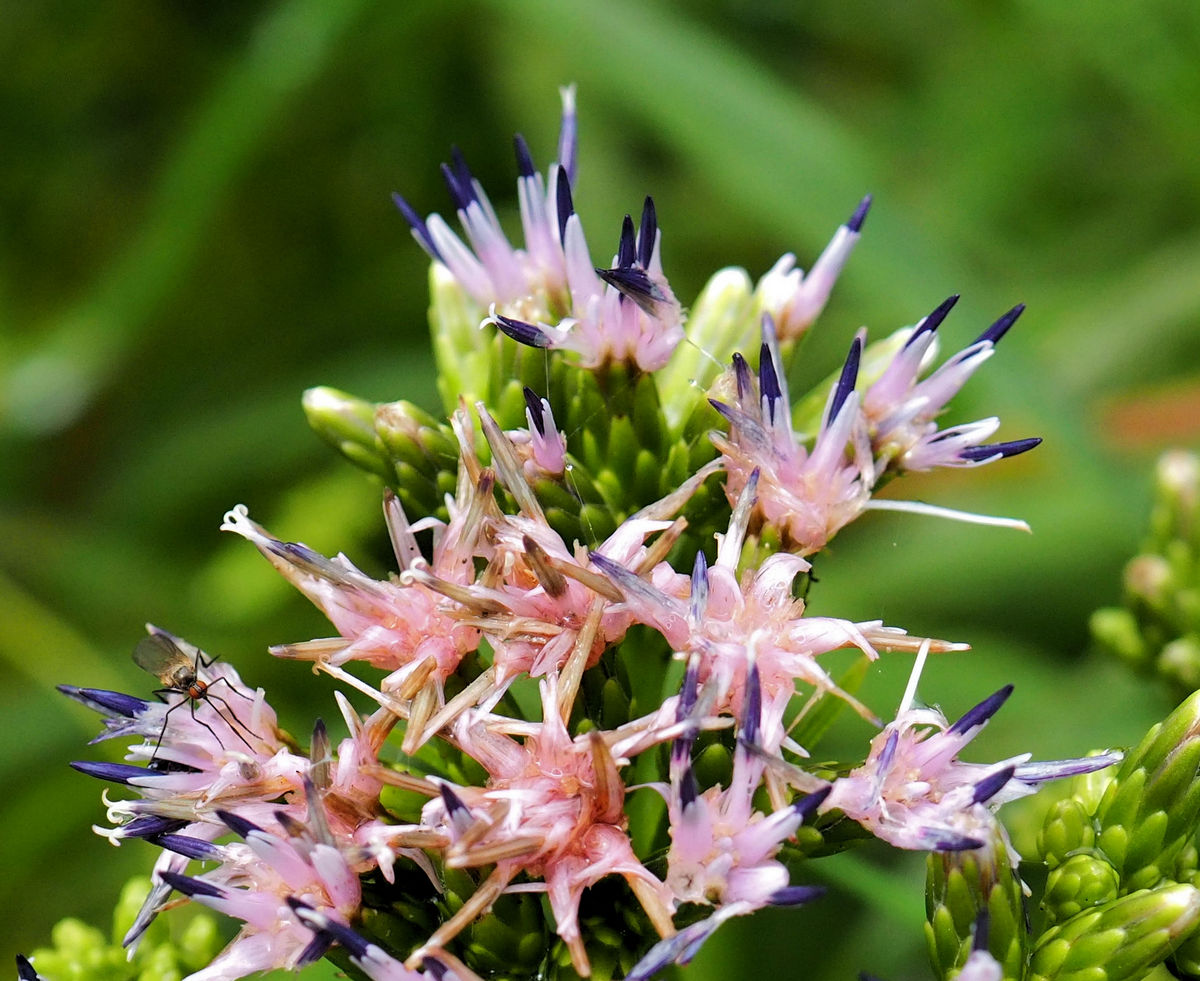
pixel 162 655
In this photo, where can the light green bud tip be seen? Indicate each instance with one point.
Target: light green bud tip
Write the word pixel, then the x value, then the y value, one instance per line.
pixel 1120 940
pixel 348 425
pixel 1081 882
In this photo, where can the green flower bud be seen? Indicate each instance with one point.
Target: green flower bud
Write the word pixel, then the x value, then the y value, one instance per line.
pixel 961 885
pixel 459 346
pixel 1067 829
pixel 1118 631
pixel 1119 940
pixel 348 425
pixel 1082 881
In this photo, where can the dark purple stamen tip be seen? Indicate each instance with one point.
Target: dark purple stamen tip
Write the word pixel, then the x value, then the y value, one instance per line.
pixel 458 194
pixel 934 319
pixel 689 692
pixel 116 772
pixel 647 233
pixel 688 791
pixel 25 970
pixel 466 180
pixel 533 403
pixel 1001 326
pixel 150 826
pixel 314 950
pixel 336 932
pixel 768 380
pixel 99 699
pixel 978 715
pixel 566 207
pixel 417 224
pixel 752 707
pixel 726 411
pixel 635 284
pixel 453 802
pixel 860 215
pixel 188 846
pixel 987 451
pixel 847 379
pixel 436 968
pixel 795 895
pixel 956 843
pixel 743 375
pixel 990 786
pixel 983 924
pixel 807 806
pixel 699 597
pixel 627 247
pixel 238 825
pixel 525 165
pixel 523 333
pixel 889 752
pixel 189 886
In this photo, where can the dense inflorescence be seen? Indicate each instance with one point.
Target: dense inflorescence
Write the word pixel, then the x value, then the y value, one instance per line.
pixel 594 675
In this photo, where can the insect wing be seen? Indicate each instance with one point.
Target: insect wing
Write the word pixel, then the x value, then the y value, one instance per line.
pixel 161 656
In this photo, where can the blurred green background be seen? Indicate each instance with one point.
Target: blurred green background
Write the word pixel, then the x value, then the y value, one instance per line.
pixel 196 226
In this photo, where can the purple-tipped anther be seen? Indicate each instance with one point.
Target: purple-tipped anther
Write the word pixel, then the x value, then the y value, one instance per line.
pixel 116 772
pixel 743 375
pixel 150 826
pixel 355 945
pixel 627 246
pixel 795 895
pixel 1001 326
pixel 566 207
pixel 189 886
pixel 635 284
pixel 952 842
pixel 525 165
pixel 889 752
pixel 751 707
pixel 807 805
pixel 25 971
pixel 688 790
pixel 102 700
pixel 417 224
pixel 459 180
pixel 990 786
pixel 533 403
pixel 238 825
pixel 856 220
pixel 978 715
pixel 933 320
pixel 847 380
pixel 990 451
pixel 523 333
pixel 647 233
pixel 768 380
pixel 454 805
pixel 189 847
pixel 699 597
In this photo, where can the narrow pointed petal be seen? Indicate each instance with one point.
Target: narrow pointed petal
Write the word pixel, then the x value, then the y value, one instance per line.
pixel 978 715
pixel 116 772
pixel 991 785
pixel 855 222
pixel 993 451
pixel 417 224
pixel 1001 326
pixel 847 380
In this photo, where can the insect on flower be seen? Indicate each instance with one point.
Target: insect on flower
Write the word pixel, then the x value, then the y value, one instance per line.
pixel 161 655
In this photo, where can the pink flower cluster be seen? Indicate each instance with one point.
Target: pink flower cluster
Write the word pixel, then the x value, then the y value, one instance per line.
pixel 500 596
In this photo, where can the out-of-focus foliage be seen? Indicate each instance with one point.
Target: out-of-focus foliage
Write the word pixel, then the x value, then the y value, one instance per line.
pixel 196 227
